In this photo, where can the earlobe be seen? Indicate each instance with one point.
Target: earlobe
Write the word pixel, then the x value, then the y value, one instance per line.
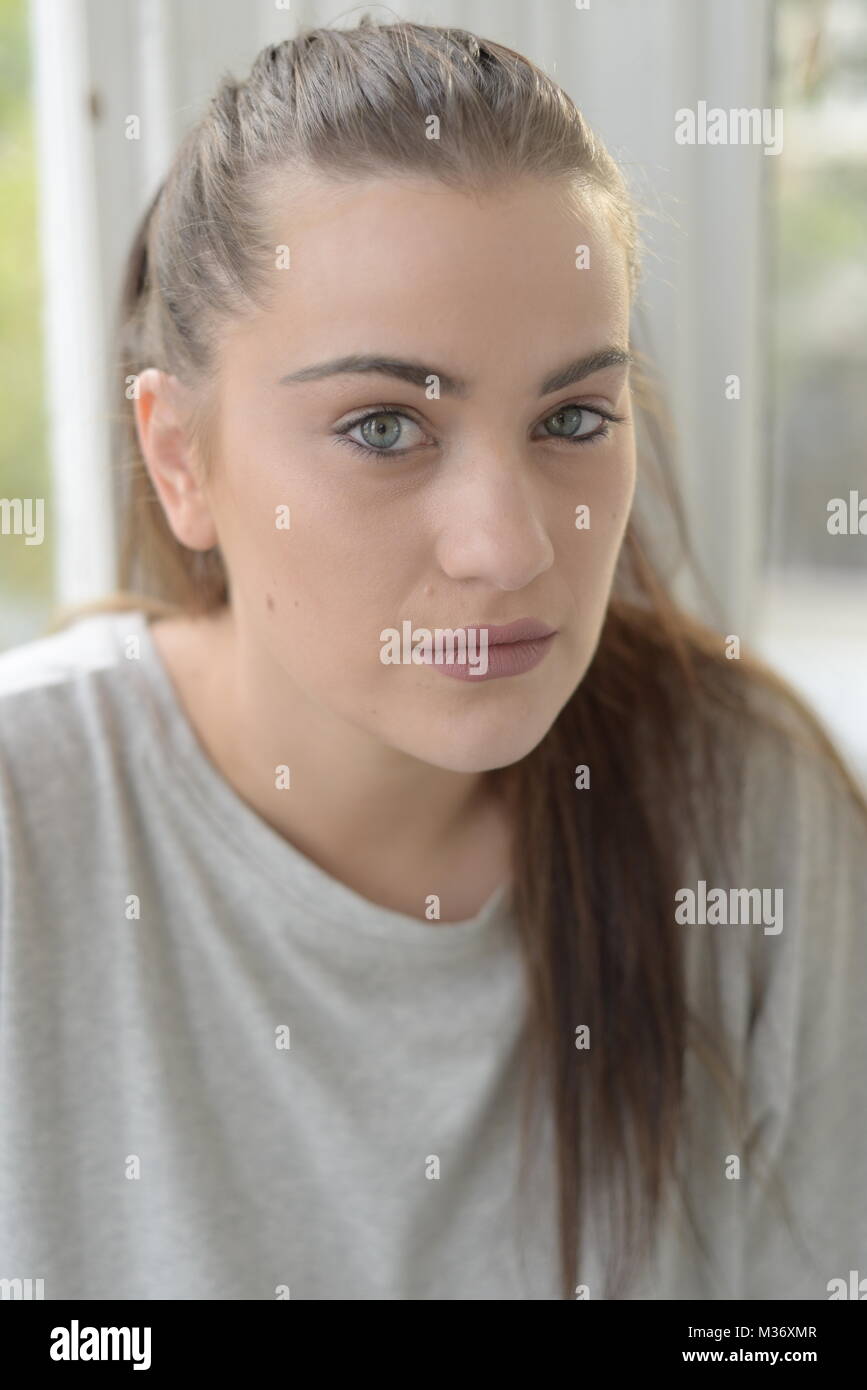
pixel 169 457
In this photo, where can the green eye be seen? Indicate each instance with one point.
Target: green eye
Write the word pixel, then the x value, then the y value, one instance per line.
pixel 567 421
pixel 380 431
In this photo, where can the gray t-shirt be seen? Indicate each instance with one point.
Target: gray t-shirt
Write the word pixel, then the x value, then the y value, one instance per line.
pixel 224 1074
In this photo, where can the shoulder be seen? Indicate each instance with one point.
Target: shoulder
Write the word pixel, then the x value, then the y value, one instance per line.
pixel 798 791
pixel 785 801
pixel 799 813
pixel 734 761
pixel 57 658
pixel 755 757
pixel 70 729
pixel 747 780
pixel 805 826
pixel 803 819
pixel 59 695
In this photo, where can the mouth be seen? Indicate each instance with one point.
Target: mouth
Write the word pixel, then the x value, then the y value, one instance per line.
pixel 503 650
pixel 522 630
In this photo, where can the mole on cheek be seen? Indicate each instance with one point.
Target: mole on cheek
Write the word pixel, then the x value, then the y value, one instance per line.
pixel 270 603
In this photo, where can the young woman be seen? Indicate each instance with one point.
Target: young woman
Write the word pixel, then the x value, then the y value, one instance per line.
pixel 338 962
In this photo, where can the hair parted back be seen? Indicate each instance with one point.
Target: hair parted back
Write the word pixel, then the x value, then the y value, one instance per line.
pixel 338 104
pixel 662 716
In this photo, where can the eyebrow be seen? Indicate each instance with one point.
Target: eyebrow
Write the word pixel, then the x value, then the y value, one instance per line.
pixel 417 374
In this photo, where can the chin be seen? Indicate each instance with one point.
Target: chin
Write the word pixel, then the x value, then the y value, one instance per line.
pixel 477 749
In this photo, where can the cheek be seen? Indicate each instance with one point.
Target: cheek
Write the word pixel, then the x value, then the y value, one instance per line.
pixel 294 528
pixel 596 502
pixel 333 588
pixel 591 525
pixel 343 569
pixel 318 573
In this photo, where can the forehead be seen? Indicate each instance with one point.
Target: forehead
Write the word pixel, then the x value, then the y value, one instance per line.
pixel 412 264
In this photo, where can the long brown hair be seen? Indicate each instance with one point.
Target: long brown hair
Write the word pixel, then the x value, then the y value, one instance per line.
pixel 662 717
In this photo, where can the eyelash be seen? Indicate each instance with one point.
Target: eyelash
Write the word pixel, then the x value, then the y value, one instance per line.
pixel 342 435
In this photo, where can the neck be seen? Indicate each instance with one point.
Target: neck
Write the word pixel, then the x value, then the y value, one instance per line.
pixel 388 824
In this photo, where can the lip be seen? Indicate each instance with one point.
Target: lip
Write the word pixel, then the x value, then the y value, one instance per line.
pixel 512 649
pixel 522 630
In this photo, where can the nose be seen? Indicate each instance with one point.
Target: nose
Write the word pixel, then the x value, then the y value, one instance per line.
pixel 493 528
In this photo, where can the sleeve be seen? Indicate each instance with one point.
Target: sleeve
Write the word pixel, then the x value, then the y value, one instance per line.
pixel 805 1225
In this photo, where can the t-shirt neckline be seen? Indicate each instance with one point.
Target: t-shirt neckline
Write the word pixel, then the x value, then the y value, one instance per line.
pixel 191 775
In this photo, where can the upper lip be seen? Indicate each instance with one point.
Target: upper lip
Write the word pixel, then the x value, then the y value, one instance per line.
pixel 522 630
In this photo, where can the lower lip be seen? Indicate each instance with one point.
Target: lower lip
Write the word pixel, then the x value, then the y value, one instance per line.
pixel 504 659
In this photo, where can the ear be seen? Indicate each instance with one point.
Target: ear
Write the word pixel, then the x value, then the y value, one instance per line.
pixel 161 408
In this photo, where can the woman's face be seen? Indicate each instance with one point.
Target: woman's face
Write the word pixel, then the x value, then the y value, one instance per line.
pixel 456 505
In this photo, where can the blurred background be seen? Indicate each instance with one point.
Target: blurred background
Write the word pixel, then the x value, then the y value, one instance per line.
pixel 756 268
